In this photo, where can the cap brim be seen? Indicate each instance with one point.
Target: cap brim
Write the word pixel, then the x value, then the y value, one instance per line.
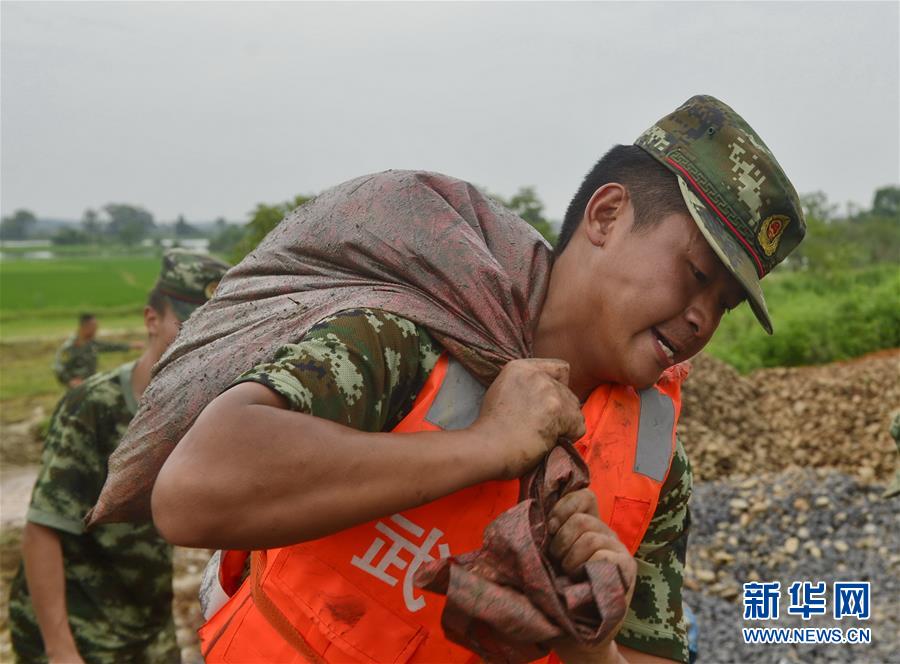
pixel 732 255
pixel 182 309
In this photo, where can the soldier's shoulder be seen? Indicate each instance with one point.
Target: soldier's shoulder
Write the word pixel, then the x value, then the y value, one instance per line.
pixel 366 321
pixel 68 343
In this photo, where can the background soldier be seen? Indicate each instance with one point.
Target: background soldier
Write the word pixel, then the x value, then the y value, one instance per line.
pixel 106 595
pixel 76 359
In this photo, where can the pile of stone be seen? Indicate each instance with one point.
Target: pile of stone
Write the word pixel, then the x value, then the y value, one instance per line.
pixel 189 565
pixel 829 416
pixel 799 525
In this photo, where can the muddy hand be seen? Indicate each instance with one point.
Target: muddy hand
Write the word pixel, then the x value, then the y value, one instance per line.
pixel 525 411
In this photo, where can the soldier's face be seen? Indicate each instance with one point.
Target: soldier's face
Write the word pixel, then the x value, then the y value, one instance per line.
pixel 162 328
pixel 89 329
pixel 658 295
pixel 168 328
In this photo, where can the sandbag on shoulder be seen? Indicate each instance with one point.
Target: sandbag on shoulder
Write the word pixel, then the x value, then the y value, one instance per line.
pixel 424 246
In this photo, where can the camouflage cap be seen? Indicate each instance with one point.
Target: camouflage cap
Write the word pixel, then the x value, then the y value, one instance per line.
pixel 734 188
pixel 188 280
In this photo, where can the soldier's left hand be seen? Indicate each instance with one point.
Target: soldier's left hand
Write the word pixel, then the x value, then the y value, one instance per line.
pixel 579 535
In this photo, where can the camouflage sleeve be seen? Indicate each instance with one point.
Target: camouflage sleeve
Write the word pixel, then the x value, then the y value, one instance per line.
pixel 72 467
pixel 61 364
pixel 362 368
pixel 655 622
pixel 110 346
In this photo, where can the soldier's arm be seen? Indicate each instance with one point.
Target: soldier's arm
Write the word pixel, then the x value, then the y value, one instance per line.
pixel 636 657
pixel 298 451
pixel 69 480
pixel 614 653
pixel 44 574
pixel 60 366
pixel 251 474
pixel 113 346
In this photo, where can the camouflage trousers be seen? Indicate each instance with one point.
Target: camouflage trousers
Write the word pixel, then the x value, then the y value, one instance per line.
pixel 161 648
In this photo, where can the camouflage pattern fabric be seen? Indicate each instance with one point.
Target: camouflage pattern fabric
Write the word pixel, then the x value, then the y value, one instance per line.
pixel 361 368
pixel 74 361
pixel 655 622
pixel 364 368
pixel 118 577
pixel 188 280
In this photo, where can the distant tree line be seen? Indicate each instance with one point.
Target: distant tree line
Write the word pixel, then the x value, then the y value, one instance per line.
pixel 237 243
pixel 833 241
pixel 855 238
pixel 117 223
pixel 18 225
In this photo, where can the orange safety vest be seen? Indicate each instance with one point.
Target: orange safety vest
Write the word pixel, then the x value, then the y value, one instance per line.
pixel 349 597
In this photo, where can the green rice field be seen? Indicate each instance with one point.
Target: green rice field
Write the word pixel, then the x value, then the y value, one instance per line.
pixel 44 297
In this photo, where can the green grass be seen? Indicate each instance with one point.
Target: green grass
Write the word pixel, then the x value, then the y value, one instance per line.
pixel 44 297
pixel 817 319
pixel 27 368
pixel 71 284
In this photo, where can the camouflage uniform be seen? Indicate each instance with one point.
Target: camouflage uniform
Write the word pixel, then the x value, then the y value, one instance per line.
pixel 364 368
pixel 74 361
pixel 119 576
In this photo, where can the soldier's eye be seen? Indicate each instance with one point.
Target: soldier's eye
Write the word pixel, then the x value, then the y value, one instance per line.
pixel 698 274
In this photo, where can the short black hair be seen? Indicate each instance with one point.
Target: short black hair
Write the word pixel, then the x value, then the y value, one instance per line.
pixel 157 301
pixel 653 188
pixel 85 317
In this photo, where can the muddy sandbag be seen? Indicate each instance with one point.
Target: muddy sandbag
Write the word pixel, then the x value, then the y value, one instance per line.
pixel 424 246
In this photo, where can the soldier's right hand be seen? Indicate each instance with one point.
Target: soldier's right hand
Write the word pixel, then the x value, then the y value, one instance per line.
pixel 525 411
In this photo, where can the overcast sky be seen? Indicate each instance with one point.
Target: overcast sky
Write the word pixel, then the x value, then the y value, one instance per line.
pixel 205 109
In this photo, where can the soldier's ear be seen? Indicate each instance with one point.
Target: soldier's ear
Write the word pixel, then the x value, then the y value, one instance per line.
pixel 152 320
pixel 605 210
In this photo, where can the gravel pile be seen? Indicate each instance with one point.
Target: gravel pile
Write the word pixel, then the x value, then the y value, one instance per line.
pixel 830 416
pixel 798 525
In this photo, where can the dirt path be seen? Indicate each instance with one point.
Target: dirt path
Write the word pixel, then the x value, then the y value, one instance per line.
pixel 16 483
pixel 15 492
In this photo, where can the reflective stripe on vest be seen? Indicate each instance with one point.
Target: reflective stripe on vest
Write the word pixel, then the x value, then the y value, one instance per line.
pixel 349 597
